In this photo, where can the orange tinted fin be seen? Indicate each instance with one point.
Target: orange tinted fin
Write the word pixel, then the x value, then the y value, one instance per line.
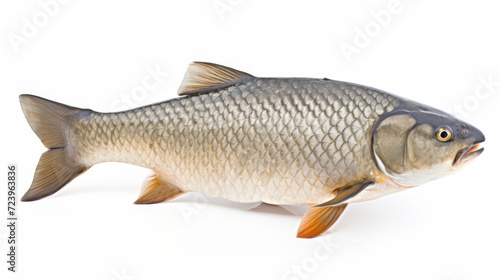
pixel 318 219
pixel 156 190
pixel 347 193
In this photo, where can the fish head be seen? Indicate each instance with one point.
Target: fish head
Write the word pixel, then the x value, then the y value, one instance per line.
pixel 413 147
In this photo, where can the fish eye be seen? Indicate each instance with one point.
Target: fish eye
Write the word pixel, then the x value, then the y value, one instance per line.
pixel 443 134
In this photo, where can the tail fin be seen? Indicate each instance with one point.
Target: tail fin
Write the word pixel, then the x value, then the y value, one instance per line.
pixel 57 167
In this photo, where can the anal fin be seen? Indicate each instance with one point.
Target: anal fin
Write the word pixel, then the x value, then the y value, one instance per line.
pixel 319 219
pixel 156 190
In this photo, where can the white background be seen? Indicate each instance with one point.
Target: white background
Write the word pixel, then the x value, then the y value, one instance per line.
pixel 96 54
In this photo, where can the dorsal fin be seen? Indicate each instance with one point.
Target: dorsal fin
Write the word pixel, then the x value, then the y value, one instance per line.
pixel 203 77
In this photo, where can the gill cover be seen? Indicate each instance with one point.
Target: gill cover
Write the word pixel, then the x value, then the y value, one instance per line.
pixel 389 143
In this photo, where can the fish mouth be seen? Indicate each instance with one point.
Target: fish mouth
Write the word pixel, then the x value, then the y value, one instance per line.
pixel 470 152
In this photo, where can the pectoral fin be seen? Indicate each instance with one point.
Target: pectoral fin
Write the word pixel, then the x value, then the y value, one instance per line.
pixel 346 193
pixel 156 190
pixel 318 220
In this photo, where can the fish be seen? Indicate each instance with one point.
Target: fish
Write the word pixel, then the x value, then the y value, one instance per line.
pixel 284 141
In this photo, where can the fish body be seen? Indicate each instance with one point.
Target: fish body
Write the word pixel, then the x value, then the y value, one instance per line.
pixel 293 141
pixel 280 141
